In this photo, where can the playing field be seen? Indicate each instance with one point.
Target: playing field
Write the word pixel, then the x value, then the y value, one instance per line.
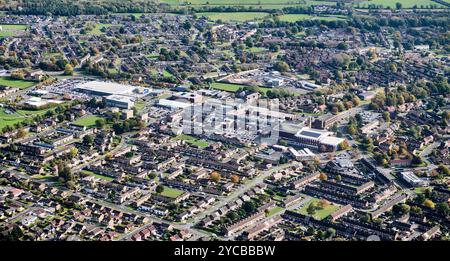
pixel 88 121
pixel 405 3
pixel 6 81
pixel 320 213
pixel 300 17
pixel 235 16
pixel 171 192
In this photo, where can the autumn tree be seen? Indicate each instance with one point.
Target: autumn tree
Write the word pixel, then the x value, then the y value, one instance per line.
pixel 215 176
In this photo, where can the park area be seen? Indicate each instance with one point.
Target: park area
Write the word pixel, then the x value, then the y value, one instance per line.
pixel 88 121
pixel 7 81
pixel 171 192
pixel 321 212
pixel 9 118
pixel 193 141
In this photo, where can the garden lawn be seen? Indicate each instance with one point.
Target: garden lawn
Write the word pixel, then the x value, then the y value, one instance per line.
pixel 98 27
pixel 88 121
pixel 171 192
pixel 320 213
pixel 274 211
pixel 229 87
pixel 7 81
pixel 88 172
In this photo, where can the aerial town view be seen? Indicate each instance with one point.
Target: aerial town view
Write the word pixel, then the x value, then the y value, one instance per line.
pixel 224 120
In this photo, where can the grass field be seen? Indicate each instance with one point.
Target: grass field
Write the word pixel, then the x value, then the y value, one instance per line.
pixel 193 141
pixel 171 192
pixel 6 81
pixel 321 213
pixel 267 4
pixel 9 119
pixel 230 87
pixel 274 211
pixel 300 17
pixel 88 121
pixel 88 172
pixel 98 27
pixel 405 3
pixel 9 30
pixel 235 16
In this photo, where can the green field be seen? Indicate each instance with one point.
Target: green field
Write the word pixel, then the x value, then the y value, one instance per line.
pixel 256 4
pixel 321 213
pixel 230 87
pixel 88 172
pixel 300 17
pixel 193 141
pixel 235 16
pixel 7 119
pixel 274 211
pixel 6 81
pixel 9 30
pixel 171 192
pixel 98 27
pixel 405 3
pixel 88 121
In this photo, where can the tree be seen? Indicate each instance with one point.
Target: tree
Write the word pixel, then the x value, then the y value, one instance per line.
pixel 444 169
pixel 159 189
pixel 235 179
pixel 281 67
pixel 65 173
pixel 429 203
pixel 323 203
pixel 249 206
pixel 331 232
pixel 323 176
pixel 68 70
pixel 215 176
pixel 386 116
pixel 344 145
pixel 398 6
pixel 311 209
pixel 443 208
pixel 73 152
pixel 100 123
pixel 88 140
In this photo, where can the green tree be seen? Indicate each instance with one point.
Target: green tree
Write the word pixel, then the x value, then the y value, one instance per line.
pixel 68 70
pixel 159 189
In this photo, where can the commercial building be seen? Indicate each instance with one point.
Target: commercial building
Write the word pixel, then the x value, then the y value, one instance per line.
pixel 120 101
pixel 99 88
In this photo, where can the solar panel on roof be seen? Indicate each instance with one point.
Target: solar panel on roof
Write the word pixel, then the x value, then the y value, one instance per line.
pixel 311 134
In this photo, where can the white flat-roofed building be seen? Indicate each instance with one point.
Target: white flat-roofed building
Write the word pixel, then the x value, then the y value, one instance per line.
pixel 173 104
pixel 99 88
pixel 317 139
pixel 120 101
pixel 412 179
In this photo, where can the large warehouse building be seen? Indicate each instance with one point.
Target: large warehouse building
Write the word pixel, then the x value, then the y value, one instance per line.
pixel 99 88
